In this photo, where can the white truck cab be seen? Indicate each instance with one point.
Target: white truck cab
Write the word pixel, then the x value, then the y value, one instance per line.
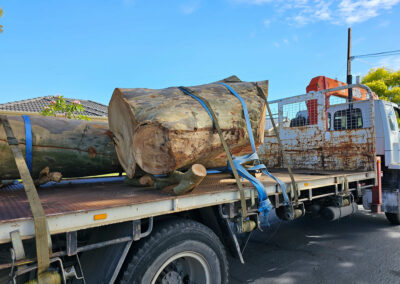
pixel 387 138
pixel 323 131
pixel 387 133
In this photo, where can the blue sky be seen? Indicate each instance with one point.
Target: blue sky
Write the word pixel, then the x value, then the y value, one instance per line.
pixel 85 49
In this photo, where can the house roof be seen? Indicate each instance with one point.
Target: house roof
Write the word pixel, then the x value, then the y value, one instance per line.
pixel 37 104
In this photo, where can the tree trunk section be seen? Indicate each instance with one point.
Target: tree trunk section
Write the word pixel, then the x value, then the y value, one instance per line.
pixel 74 148
pixel 165 130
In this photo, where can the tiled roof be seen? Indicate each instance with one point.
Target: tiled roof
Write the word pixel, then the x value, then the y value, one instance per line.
pixel 37 104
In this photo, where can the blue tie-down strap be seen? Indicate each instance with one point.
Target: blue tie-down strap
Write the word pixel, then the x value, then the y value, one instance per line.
pixel 246 115
pixel 282 185
pixel 264 204
pixel 199 100
pixel 28 142
pixel 254 156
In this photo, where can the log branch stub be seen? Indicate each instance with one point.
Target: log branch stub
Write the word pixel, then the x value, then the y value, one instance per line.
pixel 189 180
pixel 46 176
pixel 146 180
pixel 185 182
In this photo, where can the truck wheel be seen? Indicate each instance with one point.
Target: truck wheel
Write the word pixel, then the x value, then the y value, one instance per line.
pixel 393 218
pixel 180 251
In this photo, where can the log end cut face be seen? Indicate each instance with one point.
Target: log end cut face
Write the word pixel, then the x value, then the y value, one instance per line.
pixel 122 123
pixel 199 170
pixel 152 149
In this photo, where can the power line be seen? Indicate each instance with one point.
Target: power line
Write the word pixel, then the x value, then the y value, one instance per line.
pixel 378 54
pixel 366 62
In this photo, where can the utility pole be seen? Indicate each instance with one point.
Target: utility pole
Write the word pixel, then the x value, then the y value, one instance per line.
pixel 349 76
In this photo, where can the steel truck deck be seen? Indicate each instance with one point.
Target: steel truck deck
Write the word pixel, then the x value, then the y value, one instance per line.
pixel 73 204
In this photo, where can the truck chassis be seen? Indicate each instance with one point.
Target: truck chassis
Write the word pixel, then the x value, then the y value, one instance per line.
pixel 102 230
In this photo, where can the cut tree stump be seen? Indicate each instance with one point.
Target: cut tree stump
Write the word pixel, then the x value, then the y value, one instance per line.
pixel 185 182
pixel 74 148
pixel 165 130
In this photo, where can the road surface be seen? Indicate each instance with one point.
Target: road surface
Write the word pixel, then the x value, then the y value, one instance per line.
pixel 362 248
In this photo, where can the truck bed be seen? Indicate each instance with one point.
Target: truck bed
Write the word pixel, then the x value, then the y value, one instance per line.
pixel 73 204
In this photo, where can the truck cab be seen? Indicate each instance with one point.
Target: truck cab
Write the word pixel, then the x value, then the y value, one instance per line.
pixel 364 112
pixel 386 117
pixel 387 133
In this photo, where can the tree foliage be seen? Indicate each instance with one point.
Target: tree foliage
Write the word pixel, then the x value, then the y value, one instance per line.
pixel 1 14
pixel 385 83
pixel 60 106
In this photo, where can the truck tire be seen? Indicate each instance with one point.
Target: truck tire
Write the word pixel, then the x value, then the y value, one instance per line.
pixel 180 251
pixel 393 218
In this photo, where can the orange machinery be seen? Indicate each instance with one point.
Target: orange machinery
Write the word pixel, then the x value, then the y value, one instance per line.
pixel 322 83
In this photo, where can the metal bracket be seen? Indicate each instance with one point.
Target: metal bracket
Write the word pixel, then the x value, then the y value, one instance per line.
pixel 376 206
pixel 359 190
pixel 12 141
pixel 231 234
pixel 346 184
pixel 137 230
pixel 149 229
pixel 17 245
pixel 72 243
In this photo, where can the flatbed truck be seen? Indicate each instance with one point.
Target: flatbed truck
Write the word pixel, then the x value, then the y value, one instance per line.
pixel 101 230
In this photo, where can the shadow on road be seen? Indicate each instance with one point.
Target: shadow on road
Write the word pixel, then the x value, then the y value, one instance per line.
pixel 362 248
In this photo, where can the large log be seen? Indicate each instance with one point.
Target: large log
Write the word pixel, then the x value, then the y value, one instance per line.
pixel 75 148
pixel 164 130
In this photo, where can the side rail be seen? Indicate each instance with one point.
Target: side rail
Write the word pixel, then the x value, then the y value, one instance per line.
pixel 322 132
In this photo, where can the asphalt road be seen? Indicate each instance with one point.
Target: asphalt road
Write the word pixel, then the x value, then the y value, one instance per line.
pixel 362 248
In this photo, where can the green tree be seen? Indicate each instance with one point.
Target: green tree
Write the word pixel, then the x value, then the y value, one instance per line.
pixel 385 83
pixel 1 14
pixel 68 110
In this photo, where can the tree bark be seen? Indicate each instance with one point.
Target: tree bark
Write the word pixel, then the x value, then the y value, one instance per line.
pixel 164 130
pixel 74 148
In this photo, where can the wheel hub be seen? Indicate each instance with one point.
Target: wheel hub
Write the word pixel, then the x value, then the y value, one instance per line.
pixel 172 277
pixel 183 268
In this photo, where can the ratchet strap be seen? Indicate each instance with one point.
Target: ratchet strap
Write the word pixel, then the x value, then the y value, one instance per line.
pixel 236 165
pixel 254 156
pixel 43 241
pixel 28 142
pixel 214 119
